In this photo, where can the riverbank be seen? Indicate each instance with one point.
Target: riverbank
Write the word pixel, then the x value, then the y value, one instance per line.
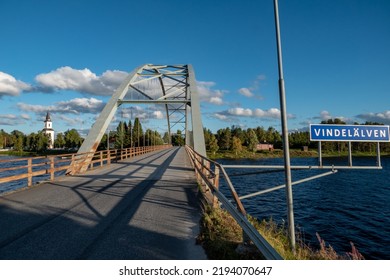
pixel 279 154
pixel 34 154
pixel 18 154
pixel 221 237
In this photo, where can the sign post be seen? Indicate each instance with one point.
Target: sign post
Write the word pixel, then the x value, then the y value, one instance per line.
pixel 378 155
pixel 350 133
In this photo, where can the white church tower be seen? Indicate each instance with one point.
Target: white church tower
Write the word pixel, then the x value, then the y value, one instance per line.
pixel 48 129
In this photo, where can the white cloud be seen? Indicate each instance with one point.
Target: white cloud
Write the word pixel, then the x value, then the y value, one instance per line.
pixel 73 106
pixel 82 105
pixel 272 113
pixel 70 121
pixel 25 116
pixel 383 117
pixel 246 92
pixel 9 116
pixel 207 94
pixel 240 112
pixel 35 108
pixel 221 117
pixel 158 115
pixel 10 86
pixel 233 113
pixel 132 112
pixel 254 89
pixel 325 115
pixel 216 100
pixel 84 81
pixel 11 119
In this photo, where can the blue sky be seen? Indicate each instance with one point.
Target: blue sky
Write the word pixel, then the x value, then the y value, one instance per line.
pixel 68 56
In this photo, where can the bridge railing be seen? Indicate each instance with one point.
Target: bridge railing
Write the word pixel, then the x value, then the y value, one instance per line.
pixel 208 173
pixel 48 167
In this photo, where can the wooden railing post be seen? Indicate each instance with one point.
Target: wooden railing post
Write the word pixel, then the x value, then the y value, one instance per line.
pixel 106 153
pixel 52 169
pixel 203 170
pixel 72 163
pixel 216 185
pixel 116 155
pixel 29 172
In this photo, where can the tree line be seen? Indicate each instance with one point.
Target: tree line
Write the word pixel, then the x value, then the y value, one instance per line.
pixel 39 141
pixel 126 135
pixel 236 139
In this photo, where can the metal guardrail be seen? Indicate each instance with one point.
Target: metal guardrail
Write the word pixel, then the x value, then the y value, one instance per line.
pixel 208 175
pixel 30 167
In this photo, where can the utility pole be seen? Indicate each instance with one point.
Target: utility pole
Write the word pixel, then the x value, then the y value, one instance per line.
pixel 286 149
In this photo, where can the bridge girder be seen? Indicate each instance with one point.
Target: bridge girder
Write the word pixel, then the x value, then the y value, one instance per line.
pixel 174 86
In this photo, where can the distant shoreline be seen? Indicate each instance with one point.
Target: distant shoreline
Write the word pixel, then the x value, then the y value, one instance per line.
pixel 222 154
pixel 279 154
pixel 9 152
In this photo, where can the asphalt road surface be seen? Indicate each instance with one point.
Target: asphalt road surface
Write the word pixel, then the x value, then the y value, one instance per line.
pixel 146 207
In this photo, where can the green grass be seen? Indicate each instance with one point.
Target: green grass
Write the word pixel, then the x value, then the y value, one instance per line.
pixel 221 236
pixel 34 154
pixel 14 153
pixel 259 154
pixel 225 154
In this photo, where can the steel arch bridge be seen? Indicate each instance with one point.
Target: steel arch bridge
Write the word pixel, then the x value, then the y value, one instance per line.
pixel 173 86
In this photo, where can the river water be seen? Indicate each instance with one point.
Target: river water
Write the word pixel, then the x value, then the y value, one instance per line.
pixel 6 187
pixel 351 205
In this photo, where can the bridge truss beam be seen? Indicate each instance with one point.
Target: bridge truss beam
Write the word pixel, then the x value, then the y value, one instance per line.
pixel 174 86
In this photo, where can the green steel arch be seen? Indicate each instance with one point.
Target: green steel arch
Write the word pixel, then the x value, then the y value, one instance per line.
pixel 174 86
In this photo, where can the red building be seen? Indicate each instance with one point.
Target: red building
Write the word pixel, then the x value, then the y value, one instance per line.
pixel 265 147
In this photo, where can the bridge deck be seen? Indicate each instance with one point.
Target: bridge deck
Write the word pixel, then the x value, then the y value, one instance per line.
pixel 142 208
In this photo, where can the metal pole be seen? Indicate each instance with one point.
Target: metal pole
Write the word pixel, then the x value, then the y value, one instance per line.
pixel 349 153
pixel 319 153
pixel 378 154
pixel 286 150
pixel 293 183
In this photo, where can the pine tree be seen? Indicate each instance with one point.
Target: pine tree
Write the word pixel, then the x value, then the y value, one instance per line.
pixel 166 138
pixel 236 145
pixel 213 144
pixel 224 136
pixel 59 142
pixel 120 136
pixel 252 140
pixel 137 133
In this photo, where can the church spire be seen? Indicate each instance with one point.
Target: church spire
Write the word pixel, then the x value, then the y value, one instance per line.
pixel 48 119
pixel 48 129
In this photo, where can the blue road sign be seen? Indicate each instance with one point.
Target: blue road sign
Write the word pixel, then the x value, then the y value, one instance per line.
pixel 361 133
